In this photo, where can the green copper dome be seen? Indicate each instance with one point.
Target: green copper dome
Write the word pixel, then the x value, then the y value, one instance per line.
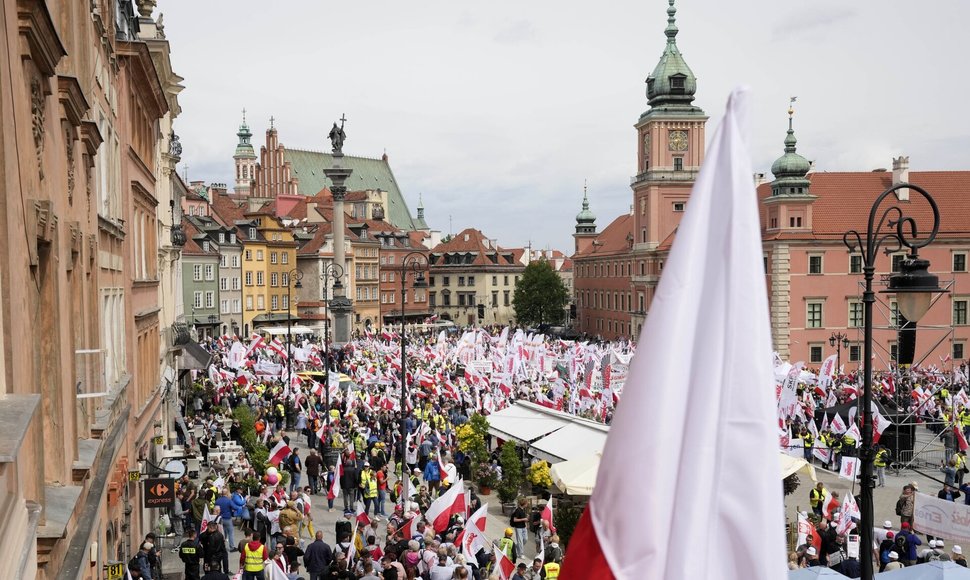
pixel 672 81
pixel 585 216
pixel 790 170
pixel 244 148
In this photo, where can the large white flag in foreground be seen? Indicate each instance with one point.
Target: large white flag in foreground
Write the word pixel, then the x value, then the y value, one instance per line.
pixel 688 486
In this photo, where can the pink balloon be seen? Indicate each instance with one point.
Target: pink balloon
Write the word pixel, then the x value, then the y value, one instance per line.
pixel 272 479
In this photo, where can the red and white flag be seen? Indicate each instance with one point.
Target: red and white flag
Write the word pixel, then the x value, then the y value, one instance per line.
pixel 277 347
pixel 830 504
pixel 442 472
pixel 547 515
pixel 279 453
pixel 472 537
pixel 849 468
pixel 506 567
pixel 410 528
pixel 448 504
pixel 961 440
pixel 338 472
pixel 704 361
pixel 361 514
pixel 255 342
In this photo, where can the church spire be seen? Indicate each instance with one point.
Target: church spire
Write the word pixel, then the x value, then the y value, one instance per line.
pixel 671 82
pixel 585 219
pixel 790 170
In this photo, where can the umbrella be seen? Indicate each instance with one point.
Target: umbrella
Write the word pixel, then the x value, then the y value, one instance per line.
pixel 936 570
pixel 814 572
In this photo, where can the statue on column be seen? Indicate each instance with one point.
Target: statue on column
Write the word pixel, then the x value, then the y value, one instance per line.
pixel 337 136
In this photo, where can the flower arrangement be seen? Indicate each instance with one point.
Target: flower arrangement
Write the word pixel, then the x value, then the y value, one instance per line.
pixel 485 475
pixel 539 475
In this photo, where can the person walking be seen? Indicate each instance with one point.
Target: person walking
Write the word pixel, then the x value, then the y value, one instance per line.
pixel 519 520
pixel 312 464
pixel 295 466
pixel 905 505
pixel 368 488
pixel 349 481
pixel 880 461
pixel 253 560
pixel 317 557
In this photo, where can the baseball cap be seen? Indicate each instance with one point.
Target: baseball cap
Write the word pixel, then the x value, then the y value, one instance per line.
pixel 890 535
pixel 905 525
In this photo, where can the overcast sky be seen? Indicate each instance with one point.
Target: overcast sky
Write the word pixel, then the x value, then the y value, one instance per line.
pixel 497 111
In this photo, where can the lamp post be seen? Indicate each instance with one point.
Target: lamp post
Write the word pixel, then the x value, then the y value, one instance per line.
pixel 839 341
pixel 331 271
pixel 292 281
pixel 416 263
pixel 914 286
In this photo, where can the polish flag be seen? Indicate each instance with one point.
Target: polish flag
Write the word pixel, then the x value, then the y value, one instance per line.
pixel 547 515
pixel 442 472
pixel 830 504
pixel 277 347
pixel 409 529
pixel 322 431
pixel 361 514
pixel 278 453
pixel 506 567
pixel 704 360
pixel 448 504
pixel 476 520
pixel 961 440
pixel 206 518
pixel 338 472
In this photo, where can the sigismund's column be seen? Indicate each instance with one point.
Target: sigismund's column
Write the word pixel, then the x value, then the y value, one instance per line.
pixel 340 305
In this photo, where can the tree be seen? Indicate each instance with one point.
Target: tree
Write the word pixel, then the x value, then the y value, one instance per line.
pixel 540 295
pixel 508 488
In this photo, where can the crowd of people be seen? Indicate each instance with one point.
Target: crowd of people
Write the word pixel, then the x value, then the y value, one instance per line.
pixel 336 437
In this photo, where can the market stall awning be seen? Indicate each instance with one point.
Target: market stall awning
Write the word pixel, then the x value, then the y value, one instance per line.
pixel 523 425
pixel 790 465
pixel 576 476
pixel 194 357
pixel 294 330
pixel 573 441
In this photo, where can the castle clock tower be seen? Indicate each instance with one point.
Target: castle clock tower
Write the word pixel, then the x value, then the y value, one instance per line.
pixel 670 137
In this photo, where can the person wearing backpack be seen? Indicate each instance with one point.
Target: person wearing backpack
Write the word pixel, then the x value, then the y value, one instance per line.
pixel 295 467
pixel 885 547
pixel 906 543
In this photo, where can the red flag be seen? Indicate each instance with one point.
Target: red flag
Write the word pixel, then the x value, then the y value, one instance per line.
pixel 410 528
pixel 961 440
pixel 442 474
pixel 338 472
pixel 361 514
pixel 506 567
pixel 547 515
pixel 280 451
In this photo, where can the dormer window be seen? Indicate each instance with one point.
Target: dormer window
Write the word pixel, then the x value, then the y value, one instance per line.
pixel 678 83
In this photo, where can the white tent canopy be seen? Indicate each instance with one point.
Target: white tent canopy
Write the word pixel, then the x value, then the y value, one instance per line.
pixel 522 424
pixel 576 476
pixel 294 330
pixel 574 441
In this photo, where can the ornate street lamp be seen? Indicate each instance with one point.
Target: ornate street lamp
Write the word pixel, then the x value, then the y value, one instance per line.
pixel 839 341
pixel 417 263
pixel 331 271
pixel 293 281
pixel 915 287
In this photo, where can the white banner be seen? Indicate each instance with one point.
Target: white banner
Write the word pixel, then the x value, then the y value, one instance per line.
pixel 850 468
pixel 941 518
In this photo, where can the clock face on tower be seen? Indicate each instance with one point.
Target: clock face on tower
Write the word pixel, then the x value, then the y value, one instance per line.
pixel 677 140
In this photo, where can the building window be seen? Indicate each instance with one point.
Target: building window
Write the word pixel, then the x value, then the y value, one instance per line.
pixel 898 261
pixel 197 272
pixel 260 302
pixel 959 312
pixel 461 280
pixel 235 282
pixel 433 299
pixel 210 299
pixel 285 279
pixel 197 300
pixel 854 353
pixel 813 317
pixel 249 302
pixel 494 280
pixel 274 302
pixel 286 302
pixel 205 246
pixel 959 263
pixel 855 314
pixel 815 353
pixel 505 297
pixel 252 233
pixel 273 258
pixel 855 264
pixel 232 238
pixel 210 272
pixel 259 278
pixel 678 163
pixel 505 281
pixel 224 261
pixel 285 257
pixel 235 261
pixel 274 279
pixel 383 276
pixel 495 299
pixel 446 280
pixel 893 313
pixel 958 351
pixel 259 255
pixel 461 299
pixel 471 280
pixel 815 264
pixel 446 299
pixel 249 278
pixel 235 306
pixel 224 284
pixel 249 255
pixel 893 352
pixel 764 263
pixel 390 276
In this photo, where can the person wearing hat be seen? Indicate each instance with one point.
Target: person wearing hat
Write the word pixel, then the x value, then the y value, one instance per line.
pixel 381 476
pixel 906 543
pixel 885 546
pixel 507 545
pixel 519 572
pixel 811 556
pixel 905 505
pixel 956 554
pixel 368 487
pixel 894 563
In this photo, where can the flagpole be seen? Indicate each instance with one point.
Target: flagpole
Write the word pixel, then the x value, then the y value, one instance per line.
pixel 415 261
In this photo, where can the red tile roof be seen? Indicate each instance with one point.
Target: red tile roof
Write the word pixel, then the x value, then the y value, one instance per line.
pixel 611 241
pixel 476 242
pixel 845 198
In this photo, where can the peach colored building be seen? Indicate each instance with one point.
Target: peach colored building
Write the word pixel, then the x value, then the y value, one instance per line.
pixel 85 90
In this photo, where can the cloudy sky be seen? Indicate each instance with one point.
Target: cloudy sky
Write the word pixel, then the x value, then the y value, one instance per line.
pixel 498 111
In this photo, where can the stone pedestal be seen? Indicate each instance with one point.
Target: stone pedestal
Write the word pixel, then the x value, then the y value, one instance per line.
pixel 341 305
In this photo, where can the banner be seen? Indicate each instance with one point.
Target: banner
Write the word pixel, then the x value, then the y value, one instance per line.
pixel 941 518
pixel 850 468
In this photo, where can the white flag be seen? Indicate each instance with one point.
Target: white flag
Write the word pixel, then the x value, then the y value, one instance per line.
pixel 701 382
pixel 850 468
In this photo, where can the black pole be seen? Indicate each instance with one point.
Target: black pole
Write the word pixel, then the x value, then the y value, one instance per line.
pixel 289 335
pixel 404 372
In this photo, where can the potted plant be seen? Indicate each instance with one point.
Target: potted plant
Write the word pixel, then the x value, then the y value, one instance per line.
pixel 486 478
pixel 508 488
pixel 539 477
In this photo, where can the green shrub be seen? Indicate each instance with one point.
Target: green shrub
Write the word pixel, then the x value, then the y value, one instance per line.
pixel 508 488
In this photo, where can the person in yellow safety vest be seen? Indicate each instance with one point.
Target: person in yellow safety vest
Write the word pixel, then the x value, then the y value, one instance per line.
pixel 880 461
pixel 254 559
pixel 848 445
pixel 507 545
pixel 337 441
pixel 360 444
pixel 961 457
pixel 368 486
pixel 550 571
pixel 943 394
pixel 816 496
pixel 808 441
